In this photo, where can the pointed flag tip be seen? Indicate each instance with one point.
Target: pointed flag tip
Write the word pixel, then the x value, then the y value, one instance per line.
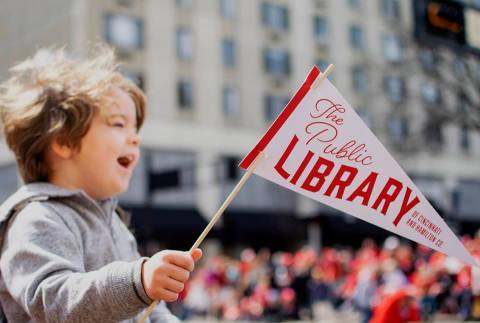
pixel 465 256
pixel 474 262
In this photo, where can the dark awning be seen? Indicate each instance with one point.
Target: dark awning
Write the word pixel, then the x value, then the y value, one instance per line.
pixel 174 227
pixel 263 229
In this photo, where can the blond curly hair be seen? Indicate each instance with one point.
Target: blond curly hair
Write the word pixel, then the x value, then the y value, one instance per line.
pixel 52 96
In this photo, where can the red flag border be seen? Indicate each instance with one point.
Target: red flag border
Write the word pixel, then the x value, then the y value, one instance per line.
pixel 282 118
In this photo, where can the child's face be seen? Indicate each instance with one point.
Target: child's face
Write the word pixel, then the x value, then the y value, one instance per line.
pixel 110 149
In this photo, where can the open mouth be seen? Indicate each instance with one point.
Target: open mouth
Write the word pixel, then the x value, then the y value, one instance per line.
pixel 125 161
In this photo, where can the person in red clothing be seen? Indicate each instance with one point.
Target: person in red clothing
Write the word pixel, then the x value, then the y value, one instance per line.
pixel 399 307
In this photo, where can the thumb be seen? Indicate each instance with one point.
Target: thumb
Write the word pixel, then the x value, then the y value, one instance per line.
pixel 197 254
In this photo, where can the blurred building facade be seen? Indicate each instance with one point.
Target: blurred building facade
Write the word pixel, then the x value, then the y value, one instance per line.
pixel 218 72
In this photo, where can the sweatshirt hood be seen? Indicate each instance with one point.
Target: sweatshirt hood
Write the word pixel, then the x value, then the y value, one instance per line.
pixel 45 191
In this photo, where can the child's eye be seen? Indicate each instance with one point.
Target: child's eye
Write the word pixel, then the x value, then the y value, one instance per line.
pixel 118 124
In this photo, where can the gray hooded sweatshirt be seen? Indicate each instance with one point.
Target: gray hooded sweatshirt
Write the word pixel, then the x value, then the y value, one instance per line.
pixel 68 258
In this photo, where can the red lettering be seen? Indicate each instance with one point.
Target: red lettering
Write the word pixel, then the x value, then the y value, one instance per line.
pixel 324 132
pixel 367 161
pixel 302 167
pixel 386 197
pixel 279 165
pixel 331 111
pixel 315 173
pixel 343 151
pixel 365 189
pixel 341 184
pixel 356 154
pixel 406 205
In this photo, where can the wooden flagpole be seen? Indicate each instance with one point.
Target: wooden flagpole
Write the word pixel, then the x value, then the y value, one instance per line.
pixel 232 195
pixel 322 77
pixel 214 219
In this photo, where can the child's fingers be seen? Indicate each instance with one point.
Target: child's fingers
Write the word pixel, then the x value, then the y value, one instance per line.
pixel 176 272
pixel 166 295
pixel 197 254
pixel 181 259
pixel 173 285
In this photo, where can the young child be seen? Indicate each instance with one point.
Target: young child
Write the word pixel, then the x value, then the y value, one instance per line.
pixel 66 256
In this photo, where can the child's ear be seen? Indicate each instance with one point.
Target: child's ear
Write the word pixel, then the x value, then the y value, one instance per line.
pixel 62 149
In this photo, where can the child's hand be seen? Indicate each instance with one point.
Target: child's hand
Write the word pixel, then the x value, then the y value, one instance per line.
pixel 165 273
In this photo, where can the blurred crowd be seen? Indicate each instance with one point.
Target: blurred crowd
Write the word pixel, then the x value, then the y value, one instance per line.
pixel 394 282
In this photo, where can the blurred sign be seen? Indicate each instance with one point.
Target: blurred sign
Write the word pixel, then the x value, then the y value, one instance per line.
pixel 453 23
pixel 319 147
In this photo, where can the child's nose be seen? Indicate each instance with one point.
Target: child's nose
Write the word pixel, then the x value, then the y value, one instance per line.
pixel 134 139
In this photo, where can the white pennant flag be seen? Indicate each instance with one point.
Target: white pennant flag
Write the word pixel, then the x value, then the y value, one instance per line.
pixel 319 147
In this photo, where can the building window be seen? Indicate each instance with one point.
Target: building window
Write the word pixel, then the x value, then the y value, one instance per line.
pixel 184 4
pixel 136 78
pixel 173 171
pixel 184 43
pixel 230 102
pixel 166 179
pixel 459 69
pixel 276 62
pixel 392 49
pixel 476 73
pixel 229 170
pixel 227 9
pixel 397 129
pixel 427 59
pixel 275 16
pixel 359 79
pixel 124 31
pixel 320 4
pixel 430 93
pixel 273 106
pixel 395 88
pixel 357 37
pixel 124 3
pixel 320 29
pixel 462 105
pixel 464 138
pixel 390 8
pixel 185 95
pixel 228 53
pixel 434 134
pixel 355 4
